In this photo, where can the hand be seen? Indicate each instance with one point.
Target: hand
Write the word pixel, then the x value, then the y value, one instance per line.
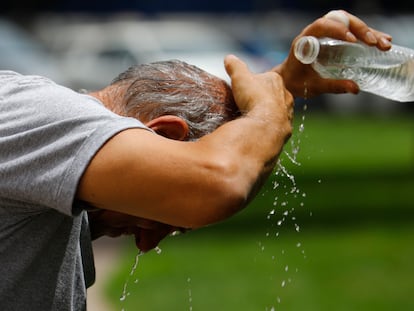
pixel 264 93
pixel 147 233
pixel 302 80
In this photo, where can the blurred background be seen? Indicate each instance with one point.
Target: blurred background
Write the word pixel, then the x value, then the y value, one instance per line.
pixel 334 227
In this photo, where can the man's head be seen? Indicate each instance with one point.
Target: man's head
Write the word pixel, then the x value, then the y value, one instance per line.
pixel 175 99
pixel 169 92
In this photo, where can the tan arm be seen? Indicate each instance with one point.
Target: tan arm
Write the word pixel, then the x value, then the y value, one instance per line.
pixel 192 184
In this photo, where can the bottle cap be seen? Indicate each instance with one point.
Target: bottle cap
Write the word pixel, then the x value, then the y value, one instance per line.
pixel 306 49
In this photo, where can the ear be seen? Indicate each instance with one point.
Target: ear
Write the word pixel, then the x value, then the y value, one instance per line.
pixel 169 126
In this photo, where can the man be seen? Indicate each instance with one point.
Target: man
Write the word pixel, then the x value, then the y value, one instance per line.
pixel 189 103
pixel 64 154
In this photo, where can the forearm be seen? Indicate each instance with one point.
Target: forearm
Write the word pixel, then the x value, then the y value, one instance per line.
pixel 192 184
pixel 256 138
pixel 256 147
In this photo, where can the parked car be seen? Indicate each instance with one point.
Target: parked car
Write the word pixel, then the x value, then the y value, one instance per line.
pixel 21 53
pixel 92 53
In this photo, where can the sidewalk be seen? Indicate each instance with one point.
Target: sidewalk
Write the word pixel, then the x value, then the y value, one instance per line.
pixel 106 253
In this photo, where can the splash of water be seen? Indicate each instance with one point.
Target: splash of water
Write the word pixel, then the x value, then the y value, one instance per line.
pixel 125 291
pixel 292 190
pixel 283 205
pixel 190 295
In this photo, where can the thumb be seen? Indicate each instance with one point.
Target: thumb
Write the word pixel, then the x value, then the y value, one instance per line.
pixel 233 65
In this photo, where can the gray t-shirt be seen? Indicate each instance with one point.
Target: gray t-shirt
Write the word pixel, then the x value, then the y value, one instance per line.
pixel 48 135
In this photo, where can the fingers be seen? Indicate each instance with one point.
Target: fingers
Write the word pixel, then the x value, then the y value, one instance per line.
pixel 356 29
pixel 342 25
pixel 339 16
pixel 333 87
pixel 241 82
pixel 234 65
pixel 367 34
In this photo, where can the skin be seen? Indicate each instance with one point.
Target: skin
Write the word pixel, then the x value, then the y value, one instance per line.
pixel 193 184
pixel 217 179
pixel 297 75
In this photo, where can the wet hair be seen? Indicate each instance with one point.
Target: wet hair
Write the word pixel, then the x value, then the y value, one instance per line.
pixel 174 87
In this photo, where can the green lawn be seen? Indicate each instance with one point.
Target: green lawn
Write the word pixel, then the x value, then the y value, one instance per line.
pixel 359 268
pixel 340 237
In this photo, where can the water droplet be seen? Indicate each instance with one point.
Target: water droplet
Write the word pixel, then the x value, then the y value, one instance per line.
pixel 283 283
pixel 190 296
pixel 286 173
pixel 287 268
pixel 125 293
pixel 158 250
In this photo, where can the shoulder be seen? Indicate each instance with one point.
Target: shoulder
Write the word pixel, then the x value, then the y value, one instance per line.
pixel 48 135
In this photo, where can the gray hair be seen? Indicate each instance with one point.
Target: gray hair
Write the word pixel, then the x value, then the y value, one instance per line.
pixel 174 87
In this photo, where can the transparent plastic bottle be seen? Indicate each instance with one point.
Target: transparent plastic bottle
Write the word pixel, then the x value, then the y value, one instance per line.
pixel 389 74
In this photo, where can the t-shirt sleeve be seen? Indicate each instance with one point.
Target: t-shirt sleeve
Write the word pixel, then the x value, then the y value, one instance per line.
pixel 48 136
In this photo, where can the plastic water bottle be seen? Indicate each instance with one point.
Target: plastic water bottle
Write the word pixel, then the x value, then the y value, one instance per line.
pixel 389 74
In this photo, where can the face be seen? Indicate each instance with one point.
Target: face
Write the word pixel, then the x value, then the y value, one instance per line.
pixel 147 233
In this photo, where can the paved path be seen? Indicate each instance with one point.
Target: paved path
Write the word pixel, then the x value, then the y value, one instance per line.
pixel 106 253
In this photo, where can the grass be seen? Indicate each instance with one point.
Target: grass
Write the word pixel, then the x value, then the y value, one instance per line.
pixel 363 268
pixel 344 242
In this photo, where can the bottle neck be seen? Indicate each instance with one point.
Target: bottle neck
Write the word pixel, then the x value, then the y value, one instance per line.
pixel 306 49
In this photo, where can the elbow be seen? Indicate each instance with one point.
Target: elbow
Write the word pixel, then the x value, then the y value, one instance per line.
pixel 217 213
pixel 225 194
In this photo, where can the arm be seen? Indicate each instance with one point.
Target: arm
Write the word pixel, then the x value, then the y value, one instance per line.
pixel 192 184
pixel 302 80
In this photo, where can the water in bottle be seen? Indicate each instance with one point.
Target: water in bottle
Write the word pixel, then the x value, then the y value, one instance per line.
pixel 389 74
